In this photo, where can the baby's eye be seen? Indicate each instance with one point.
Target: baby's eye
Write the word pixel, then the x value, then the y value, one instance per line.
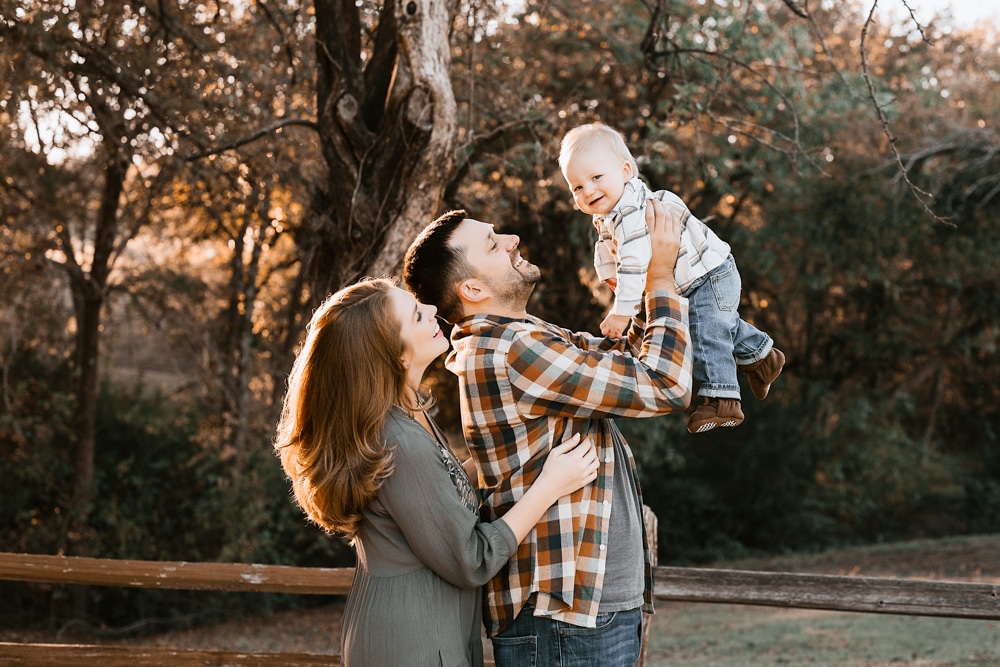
pixel 420 316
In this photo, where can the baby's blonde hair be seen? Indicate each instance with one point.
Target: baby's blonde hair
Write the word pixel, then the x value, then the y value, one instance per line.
pixel 594 134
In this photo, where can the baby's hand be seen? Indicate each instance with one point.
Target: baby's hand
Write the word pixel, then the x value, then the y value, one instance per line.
pixel 613 325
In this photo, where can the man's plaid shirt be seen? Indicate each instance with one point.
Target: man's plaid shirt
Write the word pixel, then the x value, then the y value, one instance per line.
pixel 525 385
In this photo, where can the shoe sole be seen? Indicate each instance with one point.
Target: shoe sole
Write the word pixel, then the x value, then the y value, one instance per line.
pixel 708 426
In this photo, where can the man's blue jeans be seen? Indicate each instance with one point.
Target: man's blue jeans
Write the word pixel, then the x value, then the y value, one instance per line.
pixel 719 338
pixel 533 641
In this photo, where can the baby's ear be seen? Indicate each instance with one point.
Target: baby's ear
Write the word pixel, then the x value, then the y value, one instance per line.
pixel 627 170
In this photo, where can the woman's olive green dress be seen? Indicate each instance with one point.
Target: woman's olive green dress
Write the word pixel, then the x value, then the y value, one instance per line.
pixel 422 557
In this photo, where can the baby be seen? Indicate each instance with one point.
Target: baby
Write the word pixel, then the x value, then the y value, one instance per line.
pixel 604 180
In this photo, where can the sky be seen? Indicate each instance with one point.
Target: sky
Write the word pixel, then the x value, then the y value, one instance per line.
pixel 966 13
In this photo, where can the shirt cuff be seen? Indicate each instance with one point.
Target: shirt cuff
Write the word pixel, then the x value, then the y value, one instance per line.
pixel 666 305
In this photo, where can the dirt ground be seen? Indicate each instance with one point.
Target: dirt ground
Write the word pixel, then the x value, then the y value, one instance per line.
pixel 318 630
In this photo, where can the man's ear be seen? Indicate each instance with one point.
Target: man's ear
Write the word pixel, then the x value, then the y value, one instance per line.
pixel 472 291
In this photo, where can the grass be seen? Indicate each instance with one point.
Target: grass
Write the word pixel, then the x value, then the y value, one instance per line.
pixel 717 635
pixel 697 635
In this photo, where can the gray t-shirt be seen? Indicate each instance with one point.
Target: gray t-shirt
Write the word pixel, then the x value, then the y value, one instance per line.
pixel 624 574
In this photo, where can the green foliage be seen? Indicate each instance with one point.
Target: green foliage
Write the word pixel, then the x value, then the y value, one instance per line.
pixel 883 425
pixel 160 496
pixel 981 509
pixel 779 484
pixel 35 427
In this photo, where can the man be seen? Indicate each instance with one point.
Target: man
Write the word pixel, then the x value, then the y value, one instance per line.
pixel 575 591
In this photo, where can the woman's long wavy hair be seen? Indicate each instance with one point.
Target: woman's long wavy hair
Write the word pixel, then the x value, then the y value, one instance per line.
pixel 344 381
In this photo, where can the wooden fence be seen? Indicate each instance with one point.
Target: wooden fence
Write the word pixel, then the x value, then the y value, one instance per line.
pixel 802 591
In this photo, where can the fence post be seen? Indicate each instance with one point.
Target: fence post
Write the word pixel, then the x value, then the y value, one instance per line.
pixel 648 518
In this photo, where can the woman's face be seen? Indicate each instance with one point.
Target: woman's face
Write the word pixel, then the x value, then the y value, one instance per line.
pixel 422 337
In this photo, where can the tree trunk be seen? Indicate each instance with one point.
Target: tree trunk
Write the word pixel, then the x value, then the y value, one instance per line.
pixel 241 341
pixel 89 296
pixel 388 125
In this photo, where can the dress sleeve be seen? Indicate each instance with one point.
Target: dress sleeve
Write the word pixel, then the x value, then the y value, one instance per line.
pixel 442 531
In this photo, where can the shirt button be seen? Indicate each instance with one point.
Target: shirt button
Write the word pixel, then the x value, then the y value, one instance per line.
pixel 609 460
pixel 607 502
pixel 602 547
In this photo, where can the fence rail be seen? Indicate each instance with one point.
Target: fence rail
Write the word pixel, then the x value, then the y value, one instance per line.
pixel 61 655
pixel 874 595
pixel 915 597
pixel 774 589
pixel 235 577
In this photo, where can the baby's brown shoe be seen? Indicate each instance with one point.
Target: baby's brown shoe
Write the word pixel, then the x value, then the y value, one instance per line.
pixel 715 412
pixel 762 373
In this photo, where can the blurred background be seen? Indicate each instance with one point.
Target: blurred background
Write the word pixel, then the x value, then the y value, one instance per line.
pixel 181 183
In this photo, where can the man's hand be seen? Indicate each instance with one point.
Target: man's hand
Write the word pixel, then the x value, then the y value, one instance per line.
pixel 665 222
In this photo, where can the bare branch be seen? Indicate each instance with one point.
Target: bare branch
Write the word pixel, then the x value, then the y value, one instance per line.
pixel 798 11
pixel 920 195
pixel 476 146
pixel 920 28
pixel 754 72
pixel 259 134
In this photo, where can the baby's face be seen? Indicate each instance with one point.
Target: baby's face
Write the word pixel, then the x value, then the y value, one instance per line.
pixel 597 178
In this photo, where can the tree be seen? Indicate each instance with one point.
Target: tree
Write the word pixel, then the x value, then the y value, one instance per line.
pixel 82 239
pixel 387 122
pixel 98 93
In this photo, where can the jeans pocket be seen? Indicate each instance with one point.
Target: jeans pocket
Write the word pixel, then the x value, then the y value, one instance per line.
pixel 515 651
pixel 601 623
pixel 615 642
pixel 727 286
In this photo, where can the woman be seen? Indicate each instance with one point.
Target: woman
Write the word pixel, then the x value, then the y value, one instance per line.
pixel 367 462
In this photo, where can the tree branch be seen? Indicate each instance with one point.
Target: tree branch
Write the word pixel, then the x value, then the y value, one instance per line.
pixel 259 134
pixel 920 195
pixel 477 146
pixel 798 11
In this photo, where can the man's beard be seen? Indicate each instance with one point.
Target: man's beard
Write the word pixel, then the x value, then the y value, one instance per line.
pixel 513 293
